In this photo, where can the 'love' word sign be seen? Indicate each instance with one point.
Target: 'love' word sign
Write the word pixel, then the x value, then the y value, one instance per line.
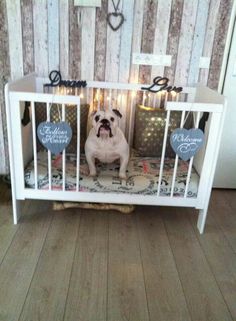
pixel 186 142
pixel 160 84
pixel 54 136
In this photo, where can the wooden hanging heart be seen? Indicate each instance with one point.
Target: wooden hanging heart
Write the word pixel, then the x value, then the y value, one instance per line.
pixel 54 136
pixel 186 143
pixel 118 15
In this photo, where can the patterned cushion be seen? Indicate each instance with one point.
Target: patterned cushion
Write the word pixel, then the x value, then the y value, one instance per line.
pixel 142 176
pixel 70 117
pixel 149 130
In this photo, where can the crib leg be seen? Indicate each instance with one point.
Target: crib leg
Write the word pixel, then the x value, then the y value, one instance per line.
pixel 16 210
pixel 202 219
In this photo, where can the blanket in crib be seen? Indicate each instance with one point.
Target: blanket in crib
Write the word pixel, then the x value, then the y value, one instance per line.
pixel 142 176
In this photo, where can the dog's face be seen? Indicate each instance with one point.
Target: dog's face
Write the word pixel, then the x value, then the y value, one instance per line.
pixel 105 123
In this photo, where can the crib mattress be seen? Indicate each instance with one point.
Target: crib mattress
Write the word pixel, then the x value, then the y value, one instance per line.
pixel 142 176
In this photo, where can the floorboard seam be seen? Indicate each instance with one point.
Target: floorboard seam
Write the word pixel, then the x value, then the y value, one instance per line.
pixel 76 244
pixel 49 225
pixel 108 237
pixel 222 230
pixel 181 284
pixel 8 247
pixel 141 259
pixel 14 235
pixel 209 265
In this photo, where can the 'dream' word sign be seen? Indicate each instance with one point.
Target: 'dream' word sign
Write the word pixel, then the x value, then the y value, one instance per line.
pixel 56 80
pixel 54 136
pixel 186 142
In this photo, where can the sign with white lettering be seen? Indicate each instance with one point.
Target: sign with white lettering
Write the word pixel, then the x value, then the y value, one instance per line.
pixel 87 3
pixel 186 142
pixel 54 136
pixel 151 60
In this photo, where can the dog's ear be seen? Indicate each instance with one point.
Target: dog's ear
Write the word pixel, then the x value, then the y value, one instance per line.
pixel 115 111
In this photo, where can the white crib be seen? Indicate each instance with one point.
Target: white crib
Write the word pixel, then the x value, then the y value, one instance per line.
pixel 23 148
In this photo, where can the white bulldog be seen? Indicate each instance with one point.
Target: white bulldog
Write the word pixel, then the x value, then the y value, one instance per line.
pixel 106 142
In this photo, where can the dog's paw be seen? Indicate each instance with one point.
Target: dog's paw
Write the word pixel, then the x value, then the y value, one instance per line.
pixel 122 176
pixel 92 174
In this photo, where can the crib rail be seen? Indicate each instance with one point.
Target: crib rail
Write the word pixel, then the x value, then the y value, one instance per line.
pixel 124 97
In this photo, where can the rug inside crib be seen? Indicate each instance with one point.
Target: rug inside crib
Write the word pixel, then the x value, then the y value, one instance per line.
pixel 142 176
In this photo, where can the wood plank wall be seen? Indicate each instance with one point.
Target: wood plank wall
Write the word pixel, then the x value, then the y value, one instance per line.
pixel 54 34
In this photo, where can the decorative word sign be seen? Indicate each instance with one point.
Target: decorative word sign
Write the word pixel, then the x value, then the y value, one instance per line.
pixel 56 80
pixel 151 59
pixel 54 136
pixel 186 142
pixel 161 83
pixel 87 3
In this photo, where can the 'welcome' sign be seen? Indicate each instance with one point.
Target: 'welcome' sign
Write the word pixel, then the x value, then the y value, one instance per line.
pixel 186 143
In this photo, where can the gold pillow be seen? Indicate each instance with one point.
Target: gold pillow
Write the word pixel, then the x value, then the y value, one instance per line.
pixel 149 130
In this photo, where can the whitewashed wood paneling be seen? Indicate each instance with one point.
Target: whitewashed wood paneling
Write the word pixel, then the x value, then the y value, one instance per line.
pixel 186 42
pixel 113 49
pixel 40 14
pixel 161 33
pixel 209 37
pixel 27 35
pixel 198 41
pixel 15 37
pixel 126 41
pixel 64 37
pixel 87 43
pixel 53 34
pixel 137 37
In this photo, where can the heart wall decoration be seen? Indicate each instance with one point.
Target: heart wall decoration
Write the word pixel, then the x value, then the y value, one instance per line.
pixel 119 20
pixel 186 142
pixel 54 136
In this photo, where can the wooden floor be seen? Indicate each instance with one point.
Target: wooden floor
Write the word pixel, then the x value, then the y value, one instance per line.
pixel 78 265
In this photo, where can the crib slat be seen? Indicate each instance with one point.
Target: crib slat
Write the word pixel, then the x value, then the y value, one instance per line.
pixel 158 99
pixel 163 152
pixel 63 155
pixel 109 99
pixel 122 109
pixel 133 95
pixel 34 145
pixel 87 95
pixel 98 94
pixel 176 159
pixel 78 149
pixel 154 100
pixel 149 99
pixel 49 155
pixel 191 160
pixel 165 98
pixel 144 98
